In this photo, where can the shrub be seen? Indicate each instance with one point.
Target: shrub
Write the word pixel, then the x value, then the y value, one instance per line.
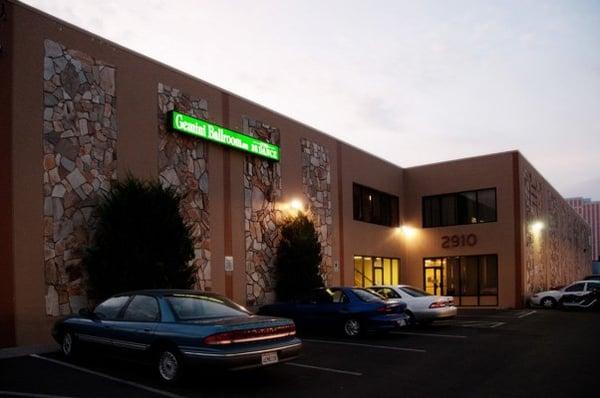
pixel 141 241
pixel 298 259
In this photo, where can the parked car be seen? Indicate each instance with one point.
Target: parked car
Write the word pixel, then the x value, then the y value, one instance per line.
pixel 594 277
pixel 551 298
pixel 175 328
pixel 421 307
pixel 589 300
pixel 351 311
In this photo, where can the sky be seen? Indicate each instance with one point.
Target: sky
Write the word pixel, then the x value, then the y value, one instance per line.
pixel 413 82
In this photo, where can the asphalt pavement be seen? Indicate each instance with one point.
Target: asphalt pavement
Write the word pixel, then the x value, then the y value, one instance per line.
pixel 481 353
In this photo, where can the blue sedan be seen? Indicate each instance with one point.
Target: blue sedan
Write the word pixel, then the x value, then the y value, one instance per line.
pixel 177 327
pixel 349 310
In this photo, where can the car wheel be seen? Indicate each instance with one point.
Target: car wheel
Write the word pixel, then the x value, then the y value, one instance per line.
pixel 67 345
pixel 352 328
pixel 169 365
pixel 548 302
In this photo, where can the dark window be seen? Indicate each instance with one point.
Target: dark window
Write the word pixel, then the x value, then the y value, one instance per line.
pixel 374 206
pixel 592 286
pixel 201 306
pixel 413 291
pixel 366 295
pixel 142 309
pixel 473 280
pixel 459 208
pixel 110 308
pixel 578 287
pixel 387 292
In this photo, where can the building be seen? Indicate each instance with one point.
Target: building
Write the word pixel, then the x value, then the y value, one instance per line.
pixel 590 211
pixel 77 112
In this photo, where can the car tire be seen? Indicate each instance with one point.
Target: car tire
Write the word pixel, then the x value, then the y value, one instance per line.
pixel 352 328
pixel 68 345
pixel 548 302
pixel 169 365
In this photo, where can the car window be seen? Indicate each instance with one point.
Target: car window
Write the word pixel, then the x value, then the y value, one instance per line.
pixel 367 296
pixel 110 308
pixel 415 292
pixel 142 309
pixel 591 286
pixel 387 292
pixel 323 296
pixel 339 297
pixel 578 287
pixel 201 306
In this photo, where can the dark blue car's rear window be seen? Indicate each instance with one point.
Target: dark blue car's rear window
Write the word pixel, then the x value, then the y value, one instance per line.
pixel 196 306
pixel 367 296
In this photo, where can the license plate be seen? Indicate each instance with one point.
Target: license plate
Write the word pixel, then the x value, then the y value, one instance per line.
pixel 269 358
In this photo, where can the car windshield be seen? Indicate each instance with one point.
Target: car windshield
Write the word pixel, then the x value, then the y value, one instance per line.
pixel 200 306
pixel 415 292
pixel 368 296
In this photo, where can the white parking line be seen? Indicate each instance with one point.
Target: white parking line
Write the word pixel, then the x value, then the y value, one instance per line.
pixel 495 325
pixel 527 314
pixel 450 336
pixel 381 347
pixel 30 395
pixel 346 372
pixel 122 381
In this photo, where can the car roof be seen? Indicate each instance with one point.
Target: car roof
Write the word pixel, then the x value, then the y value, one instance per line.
pixel 164 292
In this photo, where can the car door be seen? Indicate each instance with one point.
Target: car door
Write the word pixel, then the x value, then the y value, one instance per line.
pixel 576 289
pixel 134 329
pixel 99 328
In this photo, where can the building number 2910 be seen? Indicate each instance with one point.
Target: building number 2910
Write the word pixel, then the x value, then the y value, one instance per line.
pixel 450 241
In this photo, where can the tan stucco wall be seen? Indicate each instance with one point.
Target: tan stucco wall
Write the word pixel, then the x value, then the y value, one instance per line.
pixel 493 171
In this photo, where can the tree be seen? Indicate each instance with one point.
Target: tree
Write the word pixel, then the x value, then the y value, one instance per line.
pixel 141 241
pixel 298 259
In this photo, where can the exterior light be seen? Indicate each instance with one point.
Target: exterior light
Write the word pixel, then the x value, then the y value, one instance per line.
pixel 407 231
pixel 537 227
pixel 296 204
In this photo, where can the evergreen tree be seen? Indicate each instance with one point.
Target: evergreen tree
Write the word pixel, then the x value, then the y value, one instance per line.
pixel 298 259
pixel 141 241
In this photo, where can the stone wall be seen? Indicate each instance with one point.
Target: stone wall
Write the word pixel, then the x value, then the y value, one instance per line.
pixel 79 162
pixel 316 181
pixel 183 165
pixel 262 190
pixel 559 253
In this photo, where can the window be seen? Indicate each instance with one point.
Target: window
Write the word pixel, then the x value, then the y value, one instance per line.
pixel 460 208
pixel 578 287
pixel 367 295
pixel 387 292
pixel 202 306
pixel 374 206
pixel 142 309
pixel 591 286
pixel 110 308
pixel 373 271
pixel 473 280
pixel 414 292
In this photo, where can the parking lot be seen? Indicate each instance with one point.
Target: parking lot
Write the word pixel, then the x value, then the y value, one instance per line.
pixel 481 353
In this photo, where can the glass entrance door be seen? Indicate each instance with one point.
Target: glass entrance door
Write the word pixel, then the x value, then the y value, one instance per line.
pixel 434 280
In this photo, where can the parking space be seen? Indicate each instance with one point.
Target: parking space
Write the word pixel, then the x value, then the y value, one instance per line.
pixel 480 353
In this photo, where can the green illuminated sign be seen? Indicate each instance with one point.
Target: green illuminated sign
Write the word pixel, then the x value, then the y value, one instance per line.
pixel 212 132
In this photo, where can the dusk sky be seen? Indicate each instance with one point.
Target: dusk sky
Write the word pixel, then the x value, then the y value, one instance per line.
pixel 412 82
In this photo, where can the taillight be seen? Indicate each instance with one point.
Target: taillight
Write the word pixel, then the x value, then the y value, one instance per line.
pixel 385 309
pixel 249 335
pixel 438 304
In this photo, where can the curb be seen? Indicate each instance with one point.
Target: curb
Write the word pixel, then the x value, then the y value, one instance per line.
pixel 15 352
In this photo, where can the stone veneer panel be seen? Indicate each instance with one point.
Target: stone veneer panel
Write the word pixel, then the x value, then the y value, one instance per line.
pixel 262 189
pixel 183 165
pixel 560 253
pixel 79 148
pixel 316 180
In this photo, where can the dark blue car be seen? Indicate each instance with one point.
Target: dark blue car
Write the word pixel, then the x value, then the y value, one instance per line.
pixel 351 311
pixel 176 327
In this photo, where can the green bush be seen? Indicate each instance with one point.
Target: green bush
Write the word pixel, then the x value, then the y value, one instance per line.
pixel 298 259
pixel 141 241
